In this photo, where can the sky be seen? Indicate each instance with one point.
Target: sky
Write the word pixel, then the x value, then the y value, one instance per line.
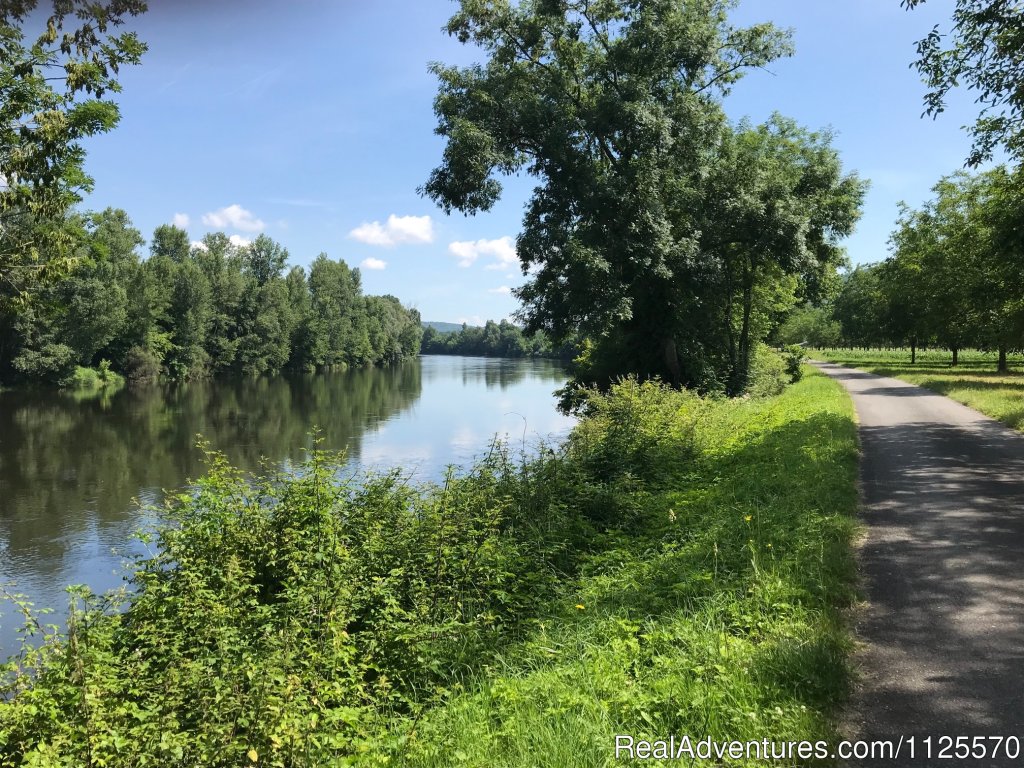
pixel 312 121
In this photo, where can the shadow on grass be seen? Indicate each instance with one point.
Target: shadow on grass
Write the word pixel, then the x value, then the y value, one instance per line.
pixel 761 547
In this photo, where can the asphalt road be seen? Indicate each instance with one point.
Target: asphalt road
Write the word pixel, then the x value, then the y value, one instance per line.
pixel 943 572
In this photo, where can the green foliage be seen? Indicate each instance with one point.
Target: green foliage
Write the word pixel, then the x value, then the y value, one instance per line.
pixel 695 585
pixel 794 356
pixel 636 430
pixel 51 97
pixel 814 326
pixel 657 230
pixel 981 52
pixel 187 312
pixel 91 379
pixel 952 278
pixel 494 340
pixel 769 372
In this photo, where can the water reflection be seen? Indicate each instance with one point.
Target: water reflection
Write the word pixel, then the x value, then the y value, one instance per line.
pixel 70 468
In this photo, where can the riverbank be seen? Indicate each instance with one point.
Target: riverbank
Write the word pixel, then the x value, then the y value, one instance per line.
pixel 680 566
pixel 974 381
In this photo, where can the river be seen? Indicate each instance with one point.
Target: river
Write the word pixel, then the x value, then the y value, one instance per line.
pixel 74 470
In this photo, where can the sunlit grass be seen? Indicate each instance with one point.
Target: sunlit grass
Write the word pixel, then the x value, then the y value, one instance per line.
pixel 726 619
pixel 973 382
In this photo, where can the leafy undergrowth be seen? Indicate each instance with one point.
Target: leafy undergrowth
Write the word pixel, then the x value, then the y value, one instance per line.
pixel 721 617
pixel 681 566
pixel 974 381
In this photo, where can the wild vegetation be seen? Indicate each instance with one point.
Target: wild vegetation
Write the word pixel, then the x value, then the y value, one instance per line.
pixel 679 565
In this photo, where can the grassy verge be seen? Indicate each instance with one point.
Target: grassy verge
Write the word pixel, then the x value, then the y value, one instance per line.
pixel 973 382
pixel 681 566
pixel 723 618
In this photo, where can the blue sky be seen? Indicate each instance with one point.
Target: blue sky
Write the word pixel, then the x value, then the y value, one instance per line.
pixel 312 122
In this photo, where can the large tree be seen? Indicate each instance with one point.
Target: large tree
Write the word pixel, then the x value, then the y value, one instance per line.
pixel 614 107
pixel 775 206
pixel 982 51
pixel 52 96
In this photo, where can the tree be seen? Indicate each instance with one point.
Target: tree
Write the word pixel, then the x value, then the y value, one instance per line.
pixel 814 326
pixel 776 204
pixel 983 53
pixel 614 108
pixel 264 259
pixel 860 307
pixel 172 242
pixel 41 126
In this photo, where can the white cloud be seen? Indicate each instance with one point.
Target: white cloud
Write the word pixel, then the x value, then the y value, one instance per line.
pixel 233 217
pixel 180 220
pixel 397 229
pixel 504 290
pixel 239 242
pixel 199 244
pixel 472 320
pixel 503 250
pixel 372 263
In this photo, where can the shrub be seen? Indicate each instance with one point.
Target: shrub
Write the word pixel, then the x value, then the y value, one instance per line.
pixel 768 373
pixel 794 355
pixel 83 378
pixel 142 365
pixel 643 430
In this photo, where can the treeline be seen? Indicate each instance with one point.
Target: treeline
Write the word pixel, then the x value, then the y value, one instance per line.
pixel 502 339
pixel 954 278
pixel 189 311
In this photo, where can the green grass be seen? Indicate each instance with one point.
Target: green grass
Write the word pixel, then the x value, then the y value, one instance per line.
pixel 725 619
pixel 973 382
pixel 681 566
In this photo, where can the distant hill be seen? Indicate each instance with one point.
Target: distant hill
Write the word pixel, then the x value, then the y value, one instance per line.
pixel 442 327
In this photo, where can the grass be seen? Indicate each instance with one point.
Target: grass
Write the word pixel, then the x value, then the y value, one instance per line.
pixel 681 566
pixel 725 619
pixel 973 382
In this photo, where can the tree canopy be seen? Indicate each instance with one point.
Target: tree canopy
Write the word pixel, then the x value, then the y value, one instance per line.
pixel 954 277
pixel 655 227
pixel 982 51
pixel 54 90
pixel 190 311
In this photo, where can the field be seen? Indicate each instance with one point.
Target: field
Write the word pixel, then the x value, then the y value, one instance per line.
pixel 973 382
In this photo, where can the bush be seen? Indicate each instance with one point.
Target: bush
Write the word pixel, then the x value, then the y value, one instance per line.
pixel 642 430
pixel 142 365
pixel 287 616
pixel 794 355
pixel 52 363
pixel 768 373
pixel 91 379
pixel 83 378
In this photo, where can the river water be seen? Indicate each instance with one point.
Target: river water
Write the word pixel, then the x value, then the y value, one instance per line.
pixel 74 470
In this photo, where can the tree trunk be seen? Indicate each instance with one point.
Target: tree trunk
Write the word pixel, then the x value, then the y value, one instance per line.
pixel 672 362
pixel 1002 367
pixel 913 351
pixel 956 356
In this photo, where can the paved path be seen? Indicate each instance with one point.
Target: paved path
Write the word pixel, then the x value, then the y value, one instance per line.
pixel 943 568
